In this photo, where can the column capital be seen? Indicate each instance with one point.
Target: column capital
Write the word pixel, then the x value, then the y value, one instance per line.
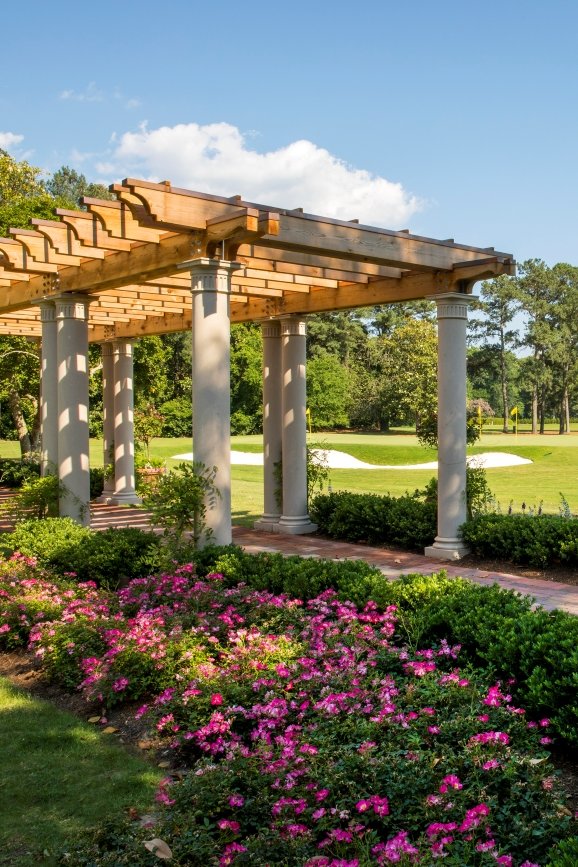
pixel 452 305
pixel 106 350
pixel 271 328
pixel 47 311
pixel 210 275
pixel 293 326
pixel 122 346
pixel 72 307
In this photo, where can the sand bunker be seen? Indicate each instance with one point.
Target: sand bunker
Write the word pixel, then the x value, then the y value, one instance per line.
pixel 337 460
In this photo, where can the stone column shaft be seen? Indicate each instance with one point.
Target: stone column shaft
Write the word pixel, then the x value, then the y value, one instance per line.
pixel 452 312
pixel 124 475
pixel 49 390
pixel 272 426
pixel 295 517
pixel 211 335
pixel 73 438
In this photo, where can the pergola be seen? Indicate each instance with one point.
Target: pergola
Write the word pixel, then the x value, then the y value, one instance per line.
pixel 161 259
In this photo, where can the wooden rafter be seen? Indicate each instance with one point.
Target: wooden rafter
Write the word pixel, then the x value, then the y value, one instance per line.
pixel 125 255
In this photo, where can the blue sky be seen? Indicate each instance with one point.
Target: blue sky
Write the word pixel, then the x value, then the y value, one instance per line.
pixel 450 119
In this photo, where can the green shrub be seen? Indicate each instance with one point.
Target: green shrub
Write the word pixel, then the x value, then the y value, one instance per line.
pixel 97 475
pixel 564 854
pixel 14 472
pixel 527 540
pixel 44 539
pixel 111 558
pixel 407 521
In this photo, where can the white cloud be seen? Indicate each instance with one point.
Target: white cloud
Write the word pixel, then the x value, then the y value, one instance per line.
pixel 9 139
pixel 216 158
pixel 91 93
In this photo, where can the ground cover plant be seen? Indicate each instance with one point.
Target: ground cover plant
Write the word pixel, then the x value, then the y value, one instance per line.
pixel 314 733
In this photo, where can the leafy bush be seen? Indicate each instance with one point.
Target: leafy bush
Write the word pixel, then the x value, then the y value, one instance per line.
pixel 564 854
pixel 109 558
pixel 44 539
pixel 38 497
pixel 97 475
pixel 177 417
pixel 527 540
pixel 178 502
pixel 406 521
pixel 14 472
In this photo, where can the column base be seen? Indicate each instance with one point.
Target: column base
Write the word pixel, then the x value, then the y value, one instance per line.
pixel 295 526
pixel 124 500
pixel 447 549
pixel 268 523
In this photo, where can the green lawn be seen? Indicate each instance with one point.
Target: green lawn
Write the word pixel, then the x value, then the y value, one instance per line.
pixel 61 778
pixel 554 470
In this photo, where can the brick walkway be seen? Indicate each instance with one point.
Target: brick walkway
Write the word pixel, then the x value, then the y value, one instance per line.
pixel 548 594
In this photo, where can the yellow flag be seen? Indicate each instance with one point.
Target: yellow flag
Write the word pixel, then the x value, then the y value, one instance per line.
pixel 514 411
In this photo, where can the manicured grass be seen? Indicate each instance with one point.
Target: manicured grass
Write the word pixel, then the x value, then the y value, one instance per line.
pixel 61 778
pixel 552 473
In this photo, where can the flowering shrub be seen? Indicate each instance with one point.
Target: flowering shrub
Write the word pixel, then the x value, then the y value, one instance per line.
pixel 314 737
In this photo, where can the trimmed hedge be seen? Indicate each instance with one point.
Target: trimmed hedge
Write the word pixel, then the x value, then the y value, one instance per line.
pixel 108 558
pixel 538 540
pixel 407 521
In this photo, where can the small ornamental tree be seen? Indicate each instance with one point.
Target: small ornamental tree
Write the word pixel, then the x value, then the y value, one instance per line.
pixel 179 501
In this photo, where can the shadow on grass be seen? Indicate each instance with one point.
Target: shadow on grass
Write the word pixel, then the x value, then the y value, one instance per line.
pixel 61 778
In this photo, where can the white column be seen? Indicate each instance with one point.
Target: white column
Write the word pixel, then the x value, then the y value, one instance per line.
pixel 211 333
pixel 295 517
pixel 49 390
pixel 107 420
pixel 73 439
pixel 124 476
pixel 452 313
pixel 272 427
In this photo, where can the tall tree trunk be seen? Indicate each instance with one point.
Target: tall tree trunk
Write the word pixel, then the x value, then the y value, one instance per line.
pixel 542 414
pixel 534 409
pixel 35 432
pixel 19 422
pixel 505 399
pixel 567 410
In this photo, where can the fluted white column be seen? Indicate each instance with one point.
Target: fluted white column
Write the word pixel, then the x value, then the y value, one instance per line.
pixel 49 390
pixel 107 421
pixel 211 337
pixel 272 426
pixel 295 517
pixel 73 375
pixel 124 475
pixel 452 314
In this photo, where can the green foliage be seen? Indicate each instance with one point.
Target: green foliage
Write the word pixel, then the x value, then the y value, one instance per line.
pixel 66 183
pixel 44 539
pixel 38 497
pixel 564 854
pixel 148 423
pixel 406 521
pixel 108 558
pixel 527 540
pixel 179 501
pixel 177 415
pixel 328 391
pixel 97 476
pixel 246 378
pixel 14 472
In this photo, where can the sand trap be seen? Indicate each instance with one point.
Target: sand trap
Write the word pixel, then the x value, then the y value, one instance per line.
pixel 342 461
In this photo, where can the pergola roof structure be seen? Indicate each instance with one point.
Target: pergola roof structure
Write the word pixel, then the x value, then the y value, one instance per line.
pixel 127 255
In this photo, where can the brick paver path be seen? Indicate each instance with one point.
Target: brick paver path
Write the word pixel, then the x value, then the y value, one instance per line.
pixel 548 594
